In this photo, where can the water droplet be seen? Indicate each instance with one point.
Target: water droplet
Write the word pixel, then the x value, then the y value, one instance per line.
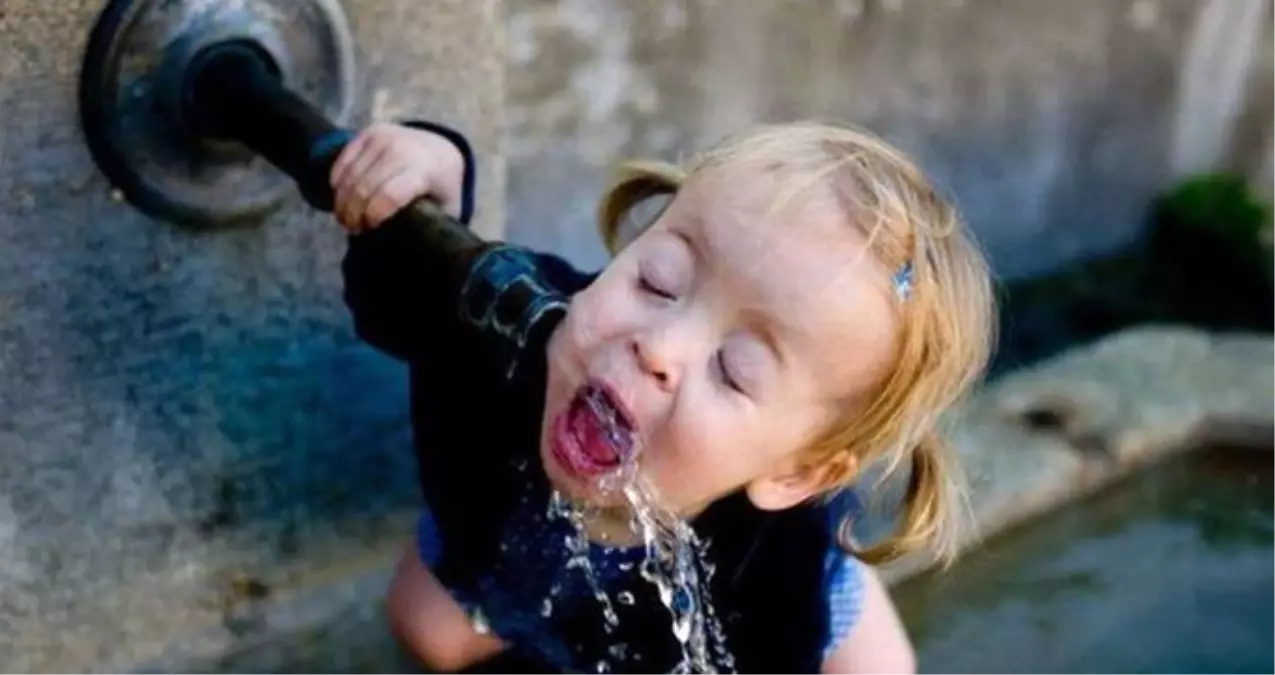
pixel 546 610
pixel 625 598
pixel 479 621
pixel 577 545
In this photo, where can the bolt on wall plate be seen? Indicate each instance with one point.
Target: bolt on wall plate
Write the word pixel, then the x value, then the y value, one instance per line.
pixel 131 88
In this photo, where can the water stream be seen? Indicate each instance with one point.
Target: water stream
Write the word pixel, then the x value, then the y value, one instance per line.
pixel 675 559
pixel 675 562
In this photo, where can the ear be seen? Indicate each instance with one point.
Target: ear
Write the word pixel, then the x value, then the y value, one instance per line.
pixel 792 485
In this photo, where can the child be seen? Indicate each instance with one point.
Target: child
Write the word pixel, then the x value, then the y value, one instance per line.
pixel 804 306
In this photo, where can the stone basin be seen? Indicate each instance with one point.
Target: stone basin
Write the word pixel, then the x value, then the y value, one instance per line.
pixel 1167 570
pixel 1122 501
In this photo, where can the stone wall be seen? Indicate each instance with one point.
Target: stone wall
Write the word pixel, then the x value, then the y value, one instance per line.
pixel 1052 123
pixel 188 429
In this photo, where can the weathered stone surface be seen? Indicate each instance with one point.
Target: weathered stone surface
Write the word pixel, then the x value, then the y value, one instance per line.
pixel 188 428
pixel 1052 433
pixel 337 628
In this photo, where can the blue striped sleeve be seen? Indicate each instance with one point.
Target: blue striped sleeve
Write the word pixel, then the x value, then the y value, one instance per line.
pixel 844 591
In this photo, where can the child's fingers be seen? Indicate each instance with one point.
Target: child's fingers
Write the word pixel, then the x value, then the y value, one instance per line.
pixel 350 209
pixel 355 174
pixel 350 183
pixel 339 199
pixel 394 193
pixel 375 179
pixel 369 181
pixel 358 186
pixel 342 196
pixel 344 206
pixel 348 154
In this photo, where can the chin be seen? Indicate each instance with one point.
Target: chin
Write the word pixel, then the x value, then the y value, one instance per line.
pixel 581 490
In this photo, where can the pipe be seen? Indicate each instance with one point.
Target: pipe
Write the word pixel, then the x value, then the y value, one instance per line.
pixel 233 90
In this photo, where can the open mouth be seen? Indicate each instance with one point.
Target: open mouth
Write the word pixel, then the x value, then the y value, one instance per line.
pixel 594 434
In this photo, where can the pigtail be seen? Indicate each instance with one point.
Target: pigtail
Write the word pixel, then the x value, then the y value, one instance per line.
pixel 635 183
pixel 930 518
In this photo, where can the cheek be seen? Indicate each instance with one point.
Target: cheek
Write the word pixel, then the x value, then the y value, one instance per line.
pixel 707 449
pixel 710 448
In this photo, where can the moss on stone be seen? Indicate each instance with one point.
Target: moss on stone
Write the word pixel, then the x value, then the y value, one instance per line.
pixel 1204 261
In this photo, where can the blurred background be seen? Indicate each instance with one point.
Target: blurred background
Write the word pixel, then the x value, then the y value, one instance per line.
pixel 1055 126
pixel 202 469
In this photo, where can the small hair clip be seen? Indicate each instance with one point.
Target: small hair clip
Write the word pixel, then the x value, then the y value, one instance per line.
pixel 903 281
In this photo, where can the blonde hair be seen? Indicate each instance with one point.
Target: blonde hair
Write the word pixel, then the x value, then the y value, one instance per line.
pixel 947 318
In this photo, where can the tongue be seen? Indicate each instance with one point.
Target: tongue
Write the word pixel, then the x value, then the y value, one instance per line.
pixel 594 437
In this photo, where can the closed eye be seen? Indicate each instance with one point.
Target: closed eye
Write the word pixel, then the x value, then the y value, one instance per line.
pixel 727 376
pixel 653 289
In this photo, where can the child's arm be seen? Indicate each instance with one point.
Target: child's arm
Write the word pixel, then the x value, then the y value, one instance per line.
pixel 399 292
pixel 425 618
pixel 877 642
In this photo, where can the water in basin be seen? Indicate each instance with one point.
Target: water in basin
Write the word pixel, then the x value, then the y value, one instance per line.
pixel 1169 570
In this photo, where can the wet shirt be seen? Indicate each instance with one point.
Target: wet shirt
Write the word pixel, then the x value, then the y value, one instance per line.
pixel 534 578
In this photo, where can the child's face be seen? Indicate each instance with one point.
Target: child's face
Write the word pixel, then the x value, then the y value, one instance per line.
pixel 726 340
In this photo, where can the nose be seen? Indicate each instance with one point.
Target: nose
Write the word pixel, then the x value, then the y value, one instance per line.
pixel 655 358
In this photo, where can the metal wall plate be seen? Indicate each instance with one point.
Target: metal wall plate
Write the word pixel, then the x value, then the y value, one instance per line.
pixel 130 87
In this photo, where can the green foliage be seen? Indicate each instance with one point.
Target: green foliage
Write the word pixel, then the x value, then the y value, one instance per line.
pixel 1206 260
pixel 1218 211
pixel 1209 248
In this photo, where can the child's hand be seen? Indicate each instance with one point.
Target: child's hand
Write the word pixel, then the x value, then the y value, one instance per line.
pixel 388 166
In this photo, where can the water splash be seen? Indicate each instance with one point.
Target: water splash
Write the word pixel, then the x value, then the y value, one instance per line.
pixel 546 610
pixel 577 544
pixel 621 437
pixel 675 561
